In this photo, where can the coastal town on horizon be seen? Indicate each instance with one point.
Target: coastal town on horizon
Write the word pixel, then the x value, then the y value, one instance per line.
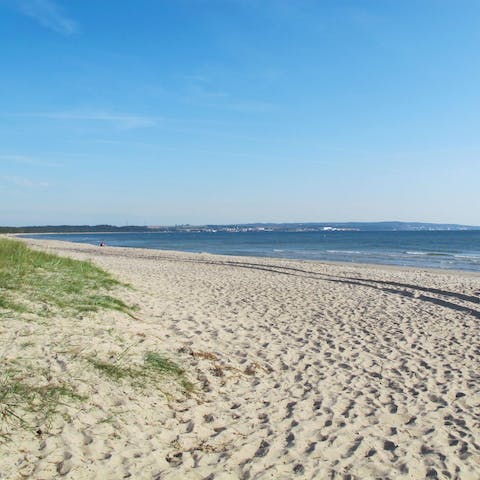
pixel 247 227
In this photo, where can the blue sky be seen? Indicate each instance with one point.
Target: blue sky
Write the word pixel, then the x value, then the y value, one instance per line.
pixel 198 111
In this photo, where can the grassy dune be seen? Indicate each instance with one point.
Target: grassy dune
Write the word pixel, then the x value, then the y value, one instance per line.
pixel 37 282
pixel 39 293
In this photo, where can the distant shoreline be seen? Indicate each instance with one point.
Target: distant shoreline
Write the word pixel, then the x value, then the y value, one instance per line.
pixel 243 227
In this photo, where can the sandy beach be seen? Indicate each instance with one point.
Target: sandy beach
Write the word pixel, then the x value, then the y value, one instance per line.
pixel 301 370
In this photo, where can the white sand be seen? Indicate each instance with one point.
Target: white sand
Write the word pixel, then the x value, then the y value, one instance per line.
pixel 302 370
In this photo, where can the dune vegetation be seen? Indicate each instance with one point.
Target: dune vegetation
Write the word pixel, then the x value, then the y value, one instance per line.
pixel 44 299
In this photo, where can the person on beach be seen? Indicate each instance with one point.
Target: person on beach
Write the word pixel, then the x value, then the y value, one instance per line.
pixel 102 243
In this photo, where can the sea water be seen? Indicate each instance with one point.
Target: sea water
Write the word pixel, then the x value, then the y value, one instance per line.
pixel 459 250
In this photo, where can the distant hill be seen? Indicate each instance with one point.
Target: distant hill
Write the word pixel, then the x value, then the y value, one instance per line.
pixel 287 227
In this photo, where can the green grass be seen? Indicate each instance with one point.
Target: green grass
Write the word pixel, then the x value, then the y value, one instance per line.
pixel 155 367
pixel 30 405
pixel 37 286
pixel 114 370
pixel 160 365
pixel 38 282
pixel 8 304
pixel 42 285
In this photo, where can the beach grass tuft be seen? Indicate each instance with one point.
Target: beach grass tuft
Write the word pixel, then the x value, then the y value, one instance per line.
pixel 161 364
pixel 114 371
pixel 29 405
pixel 155 367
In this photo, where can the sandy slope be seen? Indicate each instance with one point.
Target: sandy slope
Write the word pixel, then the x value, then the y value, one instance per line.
pixel 302 370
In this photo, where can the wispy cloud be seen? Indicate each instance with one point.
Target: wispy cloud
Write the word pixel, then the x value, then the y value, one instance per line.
pixel 122 121
pixel 49 15
pixel 26 160
pixel 201 93
pixel 24 182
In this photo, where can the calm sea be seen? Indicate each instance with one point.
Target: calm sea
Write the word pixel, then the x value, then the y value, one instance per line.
pixel 458 250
